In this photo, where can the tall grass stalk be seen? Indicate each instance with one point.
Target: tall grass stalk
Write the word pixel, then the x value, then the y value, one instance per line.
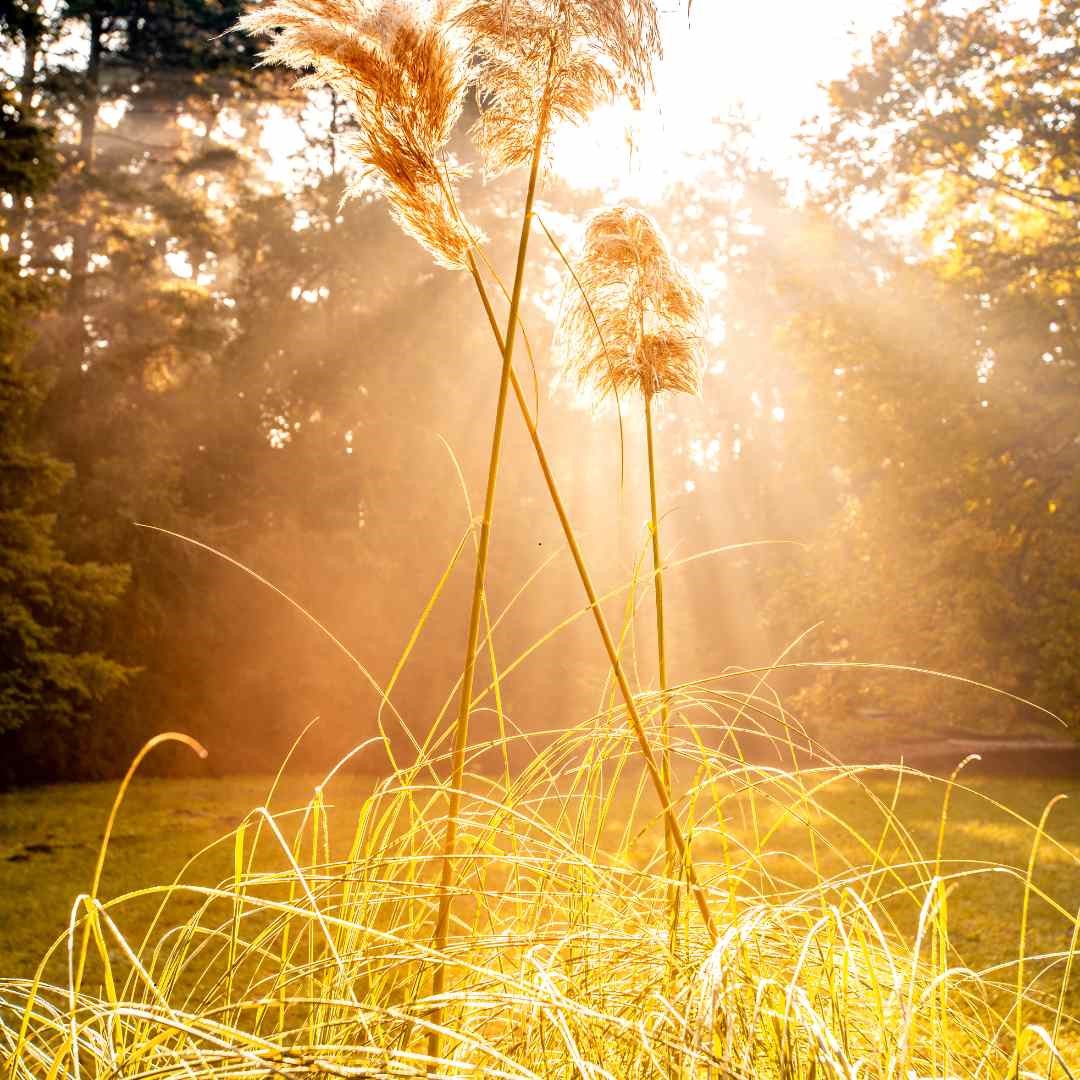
pixel 633 321
pixel 653 767
pixel 661 651
pixel 461 730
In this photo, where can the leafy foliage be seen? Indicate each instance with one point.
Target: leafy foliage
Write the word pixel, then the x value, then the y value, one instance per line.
pixel 50 607
pixel 944 379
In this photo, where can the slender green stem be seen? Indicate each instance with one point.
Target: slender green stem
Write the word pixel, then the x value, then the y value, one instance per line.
pixel 661 658
pixel 461 733
pixel 652 766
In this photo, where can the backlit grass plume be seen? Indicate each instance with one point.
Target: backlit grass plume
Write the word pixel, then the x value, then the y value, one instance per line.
pixel 404 71
pixel 542 62
pixel 633 321
pixel 631 318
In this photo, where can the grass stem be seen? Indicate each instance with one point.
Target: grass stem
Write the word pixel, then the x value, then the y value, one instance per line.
pixel 461 733
pixel 652 765
pixel 661 657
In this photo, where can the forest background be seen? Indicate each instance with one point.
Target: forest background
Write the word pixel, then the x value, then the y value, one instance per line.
pixel 196 335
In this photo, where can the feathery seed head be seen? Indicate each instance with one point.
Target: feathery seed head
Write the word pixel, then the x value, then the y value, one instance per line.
pixel 403 68
pixel 631 318
pixel 543 61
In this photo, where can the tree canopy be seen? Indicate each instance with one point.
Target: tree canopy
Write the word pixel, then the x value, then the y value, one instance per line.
pixel 955 388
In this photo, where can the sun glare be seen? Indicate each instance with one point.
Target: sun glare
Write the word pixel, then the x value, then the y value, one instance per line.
pixel 763 62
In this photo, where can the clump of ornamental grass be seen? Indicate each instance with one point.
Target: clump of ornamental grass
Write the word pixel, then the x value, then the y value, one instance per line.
pixel 534 63
pixel 835 957
pixel 811 950
pixel 633 324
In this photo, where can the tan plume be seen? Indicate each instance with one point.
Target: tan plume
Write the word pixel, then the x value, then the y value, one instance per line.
pixel 403 69
pixel 631 318
pixel 541 62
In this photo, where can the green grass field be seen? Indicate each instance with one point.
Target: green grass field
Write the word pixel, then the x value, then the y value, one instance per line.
pixel 49 839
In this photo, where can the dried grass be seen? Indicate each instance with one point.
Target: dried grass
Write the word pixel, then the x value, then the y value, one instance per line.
pixel 631 319
pixel 404 70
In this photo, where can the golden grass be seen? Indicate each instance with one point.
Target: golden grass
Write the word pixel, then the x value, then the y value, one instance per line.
pixel 313 957
pixel 555 950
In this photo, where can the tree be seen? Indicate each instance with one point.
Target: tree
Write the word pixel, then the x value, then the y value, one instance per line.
pixel 50 608
pixel 944 375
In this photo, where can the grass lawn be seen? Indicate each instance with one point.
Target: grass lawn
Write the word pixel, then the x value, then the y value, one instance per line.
pixel 49 838
pixel 985 901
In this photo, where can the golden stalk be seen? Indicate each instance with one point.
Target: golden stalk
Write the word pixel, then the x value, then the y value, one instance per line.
pixel 661 658
pixel 652 765
pixel 461 733
pixel 633 321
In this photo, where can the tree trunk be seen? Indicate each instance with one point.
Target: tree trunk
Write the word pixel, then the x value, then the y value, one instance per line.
pixel 82 233
pixel 31 35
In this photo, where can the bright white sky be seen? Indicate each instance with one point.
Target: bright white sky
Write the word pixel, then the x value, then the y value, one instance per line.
pixel 770 55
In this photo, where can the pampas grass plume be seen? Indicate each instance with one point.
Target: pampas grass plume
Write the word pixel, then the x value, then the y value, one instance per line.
pixel 631 319
pixel 404 70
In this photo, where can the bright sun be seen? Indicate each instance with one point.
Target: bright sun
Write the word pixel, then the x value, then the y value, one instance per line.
pixel 767 58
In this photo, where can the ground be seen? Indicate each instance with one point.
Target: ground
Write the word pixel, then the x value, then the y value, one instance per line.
pixel 49 840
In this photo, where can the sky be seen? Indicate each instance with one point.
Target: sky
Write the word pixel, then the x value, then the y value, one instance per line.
pixel 767 55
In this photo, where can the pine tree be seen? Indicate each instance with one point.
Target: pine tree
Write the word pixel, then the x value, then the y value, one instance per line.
pixel 52 670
